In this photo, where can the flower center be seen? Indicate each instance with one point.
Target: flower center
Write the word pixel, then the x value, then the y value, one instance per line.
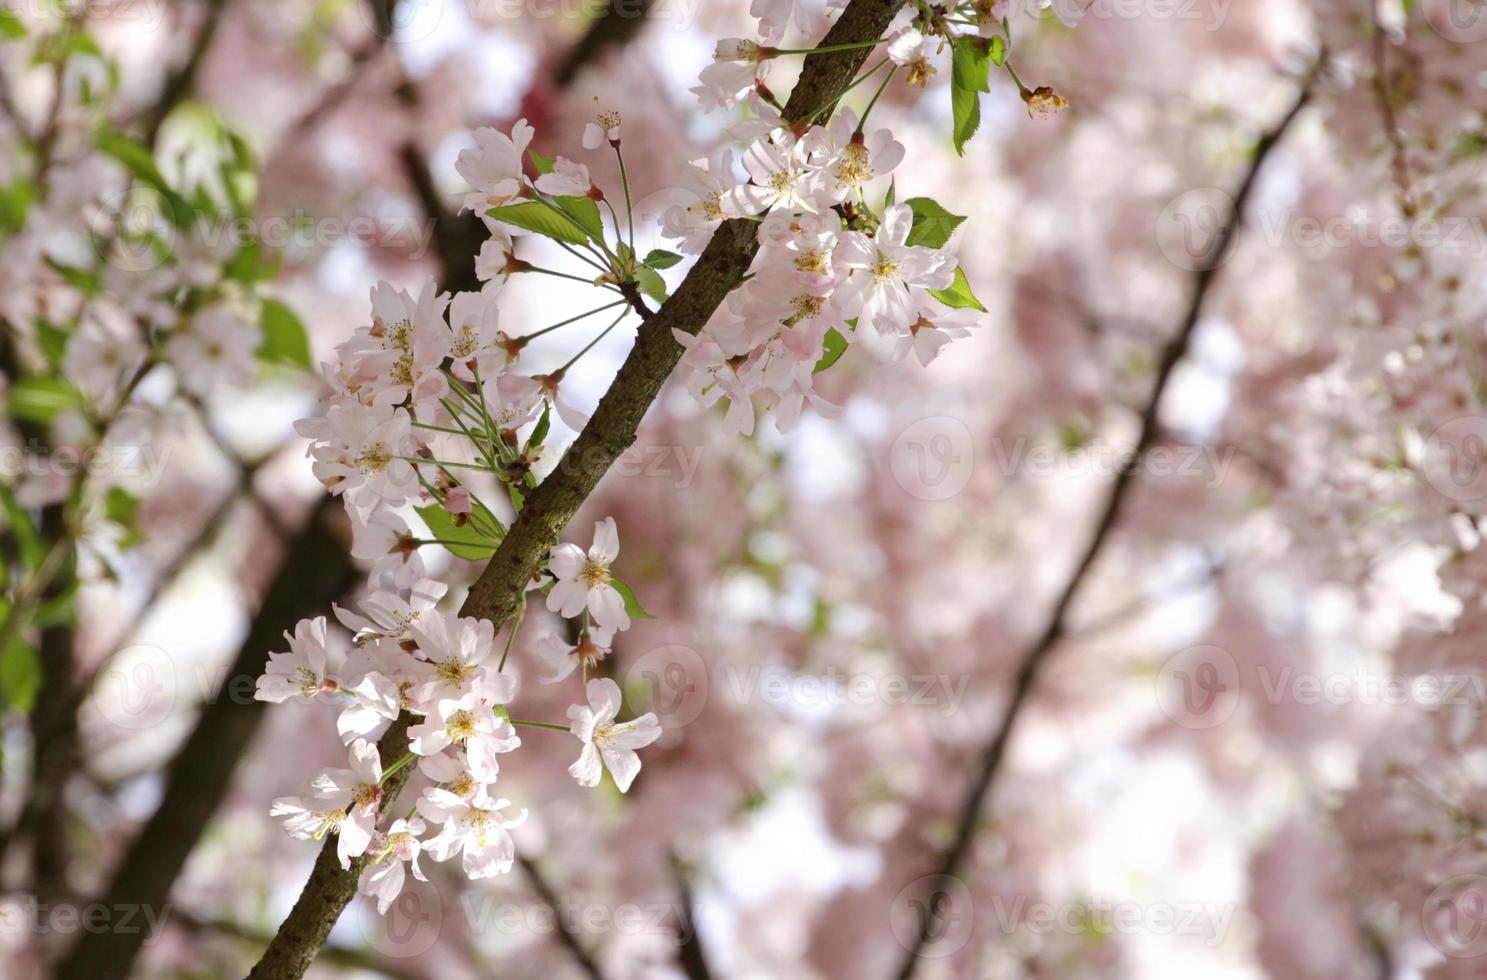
pixel 452 672
pixel 373 459
pixel 854 168
pixel 884 269
pixel 460 726
pixel 595 573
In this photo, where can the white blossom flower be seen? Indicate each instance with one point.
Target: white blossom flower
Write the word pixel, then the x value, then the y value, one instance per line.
pixel 781 177
pixel 602 739
pixel 376 701
pixel 696 207
pixel 456 647
pixel 887 268
pixel 568 179
pixel 391 615
pixel 362 454
pixel 308 668
pixel 340 801
pixel 497 259
pixel 215 347
pixel 561 657
pixel 479 345
pixel 604 129
pixel 384 875
pixel 476 829
pixel 936 326
pixel 584 580
pixel 472 725
pixel 848 159
pixel 494 166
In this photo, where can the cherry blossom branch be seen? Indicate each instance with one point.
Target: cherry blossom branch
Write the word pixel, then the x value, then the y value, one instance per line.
pixel 498 592
pixel 1057 625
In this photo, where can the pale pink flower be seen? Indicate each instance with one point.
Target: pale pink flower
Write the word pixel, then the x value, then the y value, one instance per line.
pixel 584 581
pixel 477 829
pixel 494 166
pixel 308 669
pixel 603 739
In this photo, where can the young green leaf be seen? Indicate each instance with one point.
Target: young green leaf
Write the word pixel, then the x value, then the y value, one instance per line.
pixel 832 349
pixel 586 213
pixel 651 283
pixel 970 75
pixel 933 225
pixel 538 217
pixel 284 337
pixel 633 608
pixel 471 543
pixel 959 293
pixel 539 432
pixel 659 258
pixel 38 398
pixel 20 674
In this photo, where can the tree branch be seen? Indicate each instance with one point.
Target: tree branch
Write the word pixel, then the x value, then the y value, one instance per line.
pixel 1172 354
pixel 610 432
pixel 315 570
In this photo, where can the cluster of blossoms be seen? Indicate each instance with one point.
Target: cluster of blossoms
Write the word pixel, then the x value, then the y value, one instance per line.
pixel 433 404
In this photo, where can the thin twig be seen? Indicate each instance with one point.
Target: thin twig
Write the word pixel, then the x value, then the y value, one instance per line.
pixel 1032 661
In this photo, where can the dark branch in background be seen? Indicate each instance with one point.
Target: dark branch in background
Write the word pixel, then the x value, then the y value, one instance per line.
pixel 566 937
pixel 180 83
pixel 691 955
pixel 315 570
pixel 620 24
pixel 610 432
pixel 1032 662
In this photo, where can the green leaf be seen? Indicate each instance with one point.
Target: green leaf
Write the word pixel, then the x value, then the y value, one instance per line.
pixel 83 280
pixel 120 506
pixel 998 51
pixel 970 75
pixel 586 213
pixel 473 545
pixel 52 340
pixel 933 225
pixel 659 258
pixel 15 203
pixel 20 675
pixel 284 337
pixel 544 220
pixel 651 283
pixel 11 27
pixel 959 294
pixel 633 608
pixel 892 193
pixel 540 431
pixel 38 398
pixel 540 163
pixel 832 349
pixel 140 163
pixel 26 535
pixel 252 264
